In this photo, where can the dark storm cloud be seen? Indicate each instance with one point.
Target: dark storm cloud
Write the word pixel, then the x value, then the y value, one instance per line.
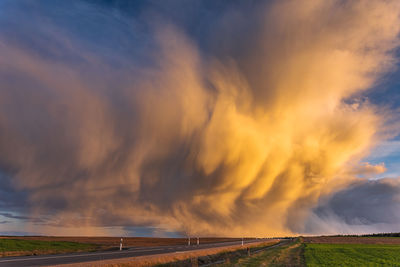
pixel 366 203
pixel 11 216
pixel 10 197
pixel 24 218
pixel 365 206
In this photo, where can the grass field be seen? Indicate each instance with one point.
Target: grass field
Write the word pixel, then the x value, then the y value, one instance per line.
pixel 358 252
pixel 352 255
pixel 16 247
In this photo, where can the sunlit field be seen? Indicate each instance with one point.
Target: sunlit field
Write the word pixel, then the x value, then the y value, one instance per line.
pixel 352 255
pixel 17 247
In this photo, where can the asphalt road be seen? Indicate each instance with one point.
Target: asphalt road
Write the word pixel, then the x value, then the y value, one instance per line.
pixel 45 260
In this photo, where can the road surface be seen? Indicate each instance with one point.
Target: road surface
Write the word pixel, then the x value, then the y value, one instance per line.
pixel 45 260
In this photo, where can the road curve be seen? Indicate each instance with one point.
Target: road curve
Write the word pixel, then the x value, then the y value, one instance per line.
pixel 46 260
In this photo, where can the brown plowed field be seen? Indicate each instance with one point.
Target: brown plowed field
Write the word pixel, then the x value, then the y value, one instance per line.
pixel 127 241
pixel 351 240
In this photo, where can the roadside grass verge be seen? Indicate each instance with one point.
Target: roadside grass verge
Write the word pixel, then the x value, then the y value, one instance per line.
pixel 225 258
pixel 289 254
pixel 18 247
pixel 352 255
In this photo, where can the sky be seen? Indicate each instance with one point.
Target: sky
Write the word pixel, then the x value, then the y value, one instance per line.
pixel 207 118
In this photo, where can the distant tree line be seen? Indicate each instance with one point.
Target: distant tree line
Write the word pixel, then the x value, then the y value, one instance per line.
pixel 374 235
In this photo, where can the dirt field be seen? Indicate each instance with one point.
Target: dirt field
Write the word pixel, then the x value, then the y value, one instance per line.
pixel 352 240
pixel 127 241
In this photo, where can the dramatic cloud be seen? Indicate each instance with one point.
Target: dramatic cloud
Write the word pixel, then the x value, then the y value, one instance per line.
pixel 240 132
pixel 365 207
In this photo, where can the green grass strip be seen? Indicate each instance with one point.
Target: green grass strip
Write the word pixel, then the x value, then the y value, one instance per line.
pixel 352 255
pixel 7 245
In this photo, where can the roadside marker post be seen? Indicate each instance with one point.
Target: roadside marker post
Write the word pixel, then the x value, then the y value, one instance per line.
pixel 242 241
pixel 198 240
pixel 120 244
pixel 189 241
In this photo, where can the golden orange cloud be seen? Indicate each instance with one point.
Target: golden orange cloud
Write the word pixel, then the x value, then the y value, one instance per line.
pixel 243 141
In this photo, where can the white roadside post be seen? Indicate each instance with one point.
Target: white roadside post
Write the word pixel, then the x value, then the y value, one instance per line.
pixel 198 240
pixel 120 244
pixel 189 241
pixel 242 241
